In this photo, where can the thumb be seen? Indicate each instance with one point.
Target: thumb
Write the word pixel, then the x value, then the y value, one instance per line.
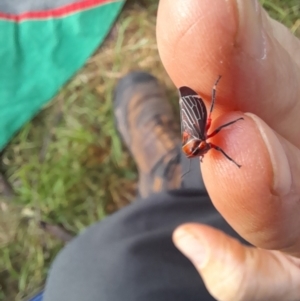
pixel 232 271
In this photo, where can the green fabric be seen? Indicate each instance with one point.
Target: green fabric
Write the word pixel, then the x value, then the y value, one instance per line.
pixel 38 57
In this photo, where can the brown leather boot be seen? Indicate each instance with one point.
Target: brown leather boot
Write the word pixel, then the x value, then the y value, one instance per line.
pixel 146 123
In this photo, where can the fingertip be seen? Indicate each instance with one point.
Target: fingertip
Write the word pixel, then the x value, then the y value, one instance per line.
pixel 239 193
pixel 214 254
pixel 187 239
pixel 192 50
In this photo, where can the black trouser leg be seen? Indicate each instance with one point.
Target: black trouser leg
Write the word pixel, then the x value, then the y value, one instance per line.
pixel 130 256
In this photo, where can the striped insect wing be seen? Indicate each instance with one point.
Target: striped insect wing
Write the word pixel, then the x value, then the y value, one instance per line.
pixel 193 114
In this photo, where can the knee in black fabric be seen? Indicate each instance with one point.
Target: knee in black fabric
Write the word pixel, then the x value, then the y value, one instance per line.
pixel 130 255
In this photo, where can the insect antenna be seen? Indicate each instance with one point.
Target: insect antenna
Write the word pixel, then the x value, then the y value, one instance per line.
pixel 188 169
pixel 213 95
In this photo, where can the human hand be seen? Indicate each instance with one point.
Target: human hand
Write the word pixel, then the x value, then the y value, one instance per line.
pixel 259 60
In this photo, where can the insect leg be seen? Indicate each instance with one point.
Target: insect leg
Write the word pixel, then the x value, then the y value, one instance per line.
pixel 220 150
pixel 188 169
pixel 213 98
pixel 223 126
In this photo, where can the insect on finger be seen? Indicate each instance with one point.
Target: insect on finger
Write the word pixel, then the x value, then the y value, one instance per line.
pixel 195 124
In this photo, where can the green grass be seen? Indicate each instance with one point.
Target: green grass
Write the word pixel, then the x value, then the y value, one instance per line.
pixel 286 12
pixel 66 165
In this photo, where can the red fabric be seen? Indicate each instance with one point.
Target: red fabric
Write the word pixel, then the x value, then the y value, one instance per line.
pixel 55 13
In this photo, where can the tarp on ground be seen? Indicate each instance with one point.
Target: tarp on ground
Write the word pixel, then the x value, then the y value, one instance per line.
pixel 42 45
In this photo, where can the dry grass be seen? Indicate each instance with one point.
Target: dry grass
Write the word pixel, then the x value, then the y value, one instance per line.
pixel 67 164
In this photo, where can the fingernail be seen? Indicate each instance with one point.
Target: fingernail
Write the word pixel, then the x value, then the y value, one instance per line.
pixel 190 246
pixel 282 180
pixel 251 36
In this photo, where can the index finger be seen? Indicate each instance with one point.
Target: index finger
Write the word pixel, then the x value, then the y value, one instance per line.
pixel 199 40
